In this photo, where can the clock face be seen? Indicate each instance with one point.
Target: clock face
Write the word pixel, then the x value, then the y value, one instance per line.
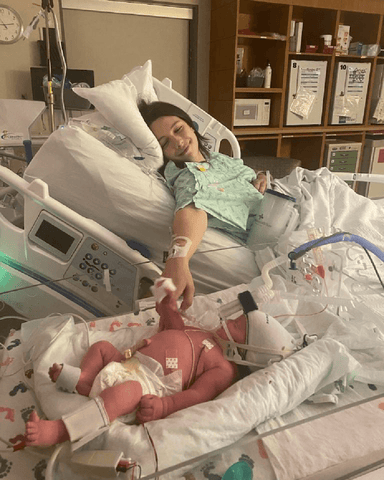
pixel 11 25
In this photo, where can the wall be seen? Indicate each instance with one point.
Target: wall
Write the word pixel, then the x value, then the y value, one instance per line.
pixel 16 59
pixel 112 44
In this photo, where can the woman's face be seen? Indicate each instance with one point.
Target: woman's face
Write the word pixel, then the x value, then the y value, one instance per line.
pixel 177 139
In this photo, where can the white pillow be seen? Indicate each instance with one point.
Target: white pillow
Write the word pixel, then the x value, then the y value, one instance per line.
pixel 98 127
pixel 100 184
pixel 117 102
pixel 142 79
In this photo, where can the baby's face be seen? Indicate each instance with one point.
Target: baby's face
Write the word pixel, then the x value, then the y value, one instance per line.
pixel 177 140
pixel 237 329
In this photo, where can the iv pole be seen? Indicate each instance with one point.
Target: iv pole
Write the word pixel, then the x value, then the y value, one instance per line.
pixel 47 5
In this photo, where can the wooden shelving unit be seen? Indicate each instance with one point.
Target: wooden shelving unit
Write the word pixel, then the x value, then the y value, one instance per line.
pixel 305 142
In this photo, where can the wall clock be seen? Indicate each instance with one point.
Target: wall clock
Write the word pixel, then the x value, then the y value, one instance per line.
pixel 11 25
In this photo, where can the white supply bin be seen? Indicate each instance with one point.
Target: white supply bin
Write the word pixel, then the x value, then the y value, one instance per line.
pixel 306 92
pixel 377 103
pixel 350 93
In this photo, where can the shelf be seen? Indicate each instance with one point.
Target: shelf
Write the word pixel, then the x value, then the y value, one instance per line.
pixel 255 131
pixel 240 22
pixel 261 37
pixel 257 90
pixel 311 54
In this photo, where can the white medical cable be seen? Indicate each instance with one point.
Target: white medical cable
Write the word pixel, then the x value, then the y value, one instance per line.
pixel 49 474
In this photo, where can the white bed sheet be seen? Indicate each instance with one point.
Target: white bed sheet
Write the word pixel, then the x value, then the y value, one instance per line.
pixel 192 432
pixel 201 428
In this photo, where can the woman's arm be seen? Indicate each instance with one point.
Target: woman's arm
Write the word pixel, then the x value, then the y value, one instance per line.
pixel 191 223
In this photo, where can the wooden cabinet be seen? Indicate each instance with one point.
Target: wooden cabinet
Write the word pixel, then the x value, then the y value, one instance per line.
pixel 262 31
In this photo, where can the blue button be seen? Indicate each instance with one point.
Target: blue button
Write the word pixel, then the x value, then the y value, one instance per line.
pixel 83 266
pixel 104 266
pixel 99 276
pixel 88 256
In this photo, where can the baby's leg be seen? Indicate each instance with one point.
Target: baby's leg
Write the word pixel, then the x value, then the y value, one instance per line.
pixel 118 400
pixel 97 357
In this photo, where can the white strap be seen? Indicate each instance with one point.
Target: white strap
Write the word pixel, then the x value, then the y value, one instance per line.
pixel 87 422
pixel 68 378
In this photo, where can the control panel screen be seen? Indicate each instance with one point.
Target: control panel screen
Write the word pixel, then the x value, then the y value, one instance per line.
pixel 54 236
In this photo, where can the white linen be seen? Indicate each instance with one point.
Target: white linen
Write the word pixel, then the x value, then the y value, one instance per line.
pixel 117 102
pixel 196 430
pixel 321 444
pixel 325 201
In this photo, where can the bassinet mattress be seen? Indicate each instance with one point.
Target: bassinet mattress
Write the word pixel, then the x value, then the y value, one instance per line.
pixel 186 434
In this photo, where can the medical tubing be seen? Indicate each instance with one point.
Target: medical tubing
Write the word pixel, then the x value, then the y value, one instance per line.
pixel 335 238
pixel 63 66
pixel 265 293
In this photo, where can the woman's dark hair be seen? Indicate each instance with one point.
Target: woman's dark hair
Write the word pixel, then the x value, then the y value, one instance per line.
pixel 154 110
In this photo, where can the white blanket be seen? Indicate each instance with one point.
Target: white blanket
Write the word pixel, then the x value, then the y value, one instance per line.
pixel 325 201
pixel 205 427
pixel 264 394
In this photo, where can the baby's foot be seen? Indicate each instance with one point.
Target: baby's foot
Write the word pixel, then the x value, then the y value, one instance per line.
pixel 44 432
pixel 55 371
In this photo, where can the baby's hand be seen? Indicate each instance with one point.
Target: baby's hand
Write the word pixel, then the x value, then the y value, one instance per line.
pixel 150 408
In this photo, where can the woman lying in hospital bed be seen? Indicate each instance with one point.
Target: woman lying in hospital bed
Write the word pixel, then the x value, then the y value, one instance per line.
pixel 211 189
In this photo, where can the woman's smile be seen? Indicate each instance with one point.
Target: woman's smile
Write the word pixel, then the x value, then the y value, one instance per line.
pixel 177 139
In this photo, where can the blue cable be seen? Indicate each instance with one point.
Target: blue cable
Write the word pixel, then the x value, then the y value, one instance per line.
pixel 337 237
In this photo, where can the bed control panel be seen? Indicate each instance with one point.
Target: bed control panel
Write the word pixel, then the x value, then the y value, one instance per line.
pixel 103 275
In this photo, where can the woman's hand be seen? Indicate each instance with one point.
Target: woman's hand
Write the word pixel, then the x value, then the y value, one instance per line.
pixel 260 182
pixel 178 270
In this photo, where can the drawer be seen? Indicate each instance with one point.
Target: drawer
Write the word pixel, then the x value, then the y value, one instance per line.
pixel 352 154
pixel 342 168
pixel 343 161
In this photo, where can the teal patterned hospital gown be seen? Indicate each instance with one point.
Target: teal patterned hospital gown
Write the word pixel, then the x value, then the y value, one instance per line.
pixel 222 187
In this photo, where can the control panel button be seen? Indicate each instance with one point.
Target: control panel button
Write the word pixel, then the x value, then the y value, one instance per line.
pixel 88 256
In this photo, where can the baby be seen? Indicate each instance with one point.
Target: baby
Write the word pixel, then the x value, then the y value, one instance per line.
pixel 205 373
pixel 144 383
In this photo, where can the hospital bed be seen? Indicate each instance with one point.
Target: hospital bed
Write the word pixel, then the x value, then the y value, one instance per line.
pixel 68 243
pixel 257 419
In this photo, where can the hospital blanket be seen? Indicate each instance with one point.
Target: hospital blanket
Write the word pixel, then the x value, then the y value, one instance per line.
pixel 194 431
pixel 325 201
